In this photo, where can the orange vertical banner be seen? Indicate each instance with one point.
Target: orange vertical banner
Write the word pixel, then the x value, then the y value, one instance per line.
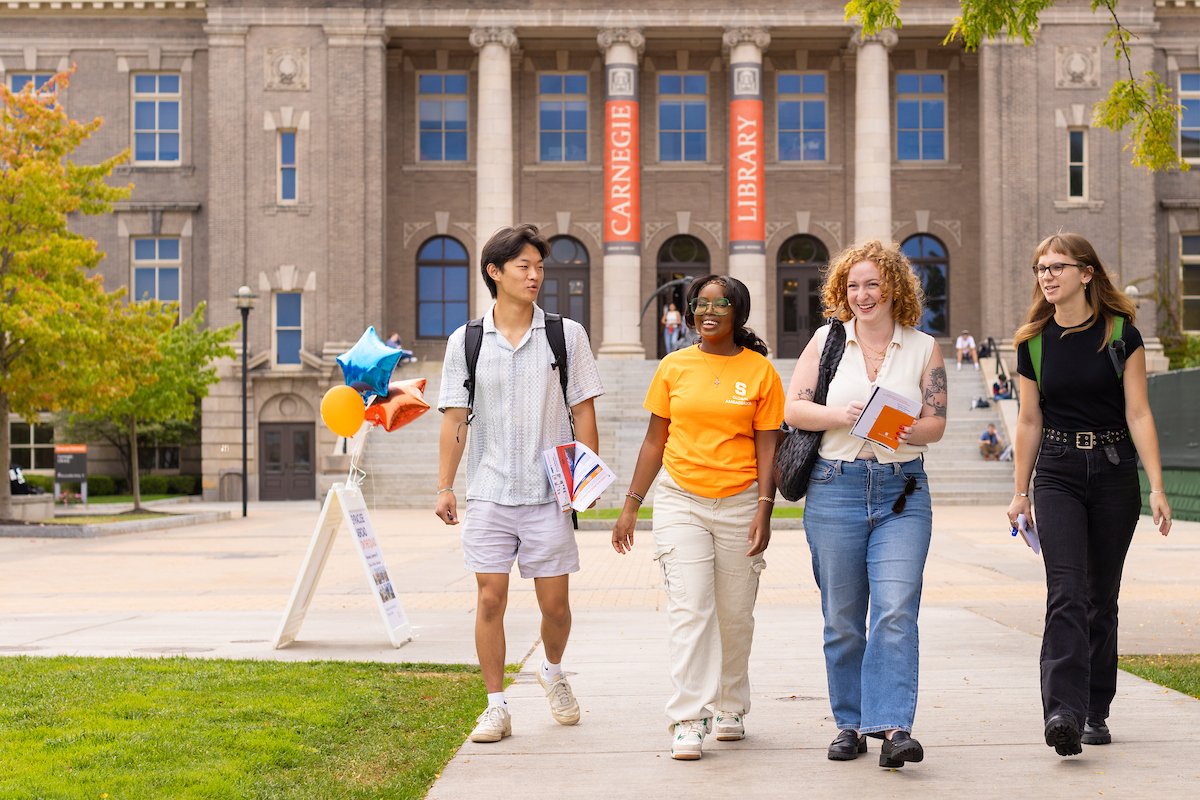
pixel 622 162
pixel 747 217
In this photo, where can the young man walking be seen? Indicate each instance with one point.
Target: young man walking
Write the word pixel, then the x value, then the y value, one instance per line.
pixel 519 411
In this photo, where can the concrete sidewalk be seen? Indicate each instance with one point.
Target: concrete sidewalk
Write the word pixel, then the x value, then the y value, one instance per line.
pixel 219 590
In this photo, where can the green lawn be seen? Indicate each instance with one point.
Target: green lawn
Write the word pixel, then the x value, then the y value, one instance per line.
pixel 195 728
pixel 1181 673
pixel 645 512
pixel 97 519
pixel 126 498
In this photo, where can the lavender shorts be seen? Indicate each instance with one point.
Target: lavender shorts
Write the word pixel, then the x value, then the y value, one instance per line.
pixel 539 538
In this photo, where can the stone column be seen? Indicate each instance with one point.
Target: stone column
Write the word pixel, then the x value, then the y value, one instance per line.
pixel 747 209
pixel 493 145
pixel 622 194
pixel 872 136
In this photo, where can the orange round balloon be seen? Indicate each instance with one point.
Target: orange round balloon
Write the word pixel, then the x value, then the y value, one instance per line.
pixel 343 410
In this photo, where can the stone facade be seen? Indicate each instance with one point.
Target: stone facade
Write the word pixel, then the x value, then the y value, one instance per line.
pixel 344 82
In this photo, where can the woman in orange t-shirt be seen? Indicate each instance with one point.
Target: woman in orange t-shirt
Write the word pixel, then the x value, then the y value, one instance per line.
pixel 715 412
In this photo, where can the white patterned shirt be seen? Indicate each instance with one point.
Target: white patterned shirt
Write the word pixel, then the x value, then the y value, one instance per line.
pixel 519 411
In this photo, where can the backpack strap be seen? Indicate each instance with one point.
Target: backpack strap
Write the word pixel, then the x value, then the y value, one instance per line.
pixel 472 343
pixel 1116 348
pixel 1035 356
pixel 557 338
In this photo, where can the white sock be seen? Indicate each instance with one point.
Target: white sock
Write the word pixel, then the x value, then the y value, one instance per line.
pixel 497 699
pixel 550 670
pixel 976 366
pixel 960 365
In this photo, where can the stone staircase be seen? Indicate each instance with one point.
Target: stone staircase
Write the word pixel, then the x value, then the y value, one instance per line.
pixel 401 466
pixel 958 475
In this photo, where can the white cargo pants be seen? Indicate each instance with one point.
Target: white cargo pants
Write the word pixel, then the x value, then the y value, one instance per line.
pixel 700 543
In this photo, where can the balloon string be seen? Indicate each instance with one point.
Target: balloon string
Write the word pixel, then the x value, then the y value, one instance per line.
pixel 357 474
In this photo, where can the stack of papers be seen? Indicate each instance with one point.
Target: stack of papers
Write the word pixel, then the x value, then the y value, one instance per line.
pixel 886 413
pixel 577 475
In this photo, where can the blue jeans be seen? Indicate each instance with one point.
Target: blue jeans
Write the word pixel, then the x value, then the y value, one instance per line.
pixel 866 555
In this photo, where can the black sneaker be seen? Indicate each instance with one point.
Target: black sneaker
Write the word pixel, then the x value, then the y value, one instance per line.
pixel 847 746
pixel 1095 732
pixel 1062 733
pixel 900 748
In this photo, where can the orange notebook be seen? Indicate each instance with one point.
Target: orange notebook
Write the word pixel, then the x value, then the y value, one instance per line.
pixel 885 414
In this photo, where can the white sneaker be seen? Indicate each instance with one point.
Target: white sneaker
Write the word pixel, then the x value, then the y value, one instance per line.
pixel 977 366
pixel 563 704
pixel 960 366
pixel 688 739
pixel 492 725
pixel 729 727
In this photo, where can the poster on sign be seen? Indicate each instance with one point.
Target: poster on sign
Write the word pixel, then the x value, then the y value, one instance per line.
pixel 345 503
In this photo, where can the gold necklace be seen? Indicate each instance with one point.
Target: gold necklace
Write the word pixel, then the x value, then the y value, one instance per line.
pixel 874 369
pixel 716 375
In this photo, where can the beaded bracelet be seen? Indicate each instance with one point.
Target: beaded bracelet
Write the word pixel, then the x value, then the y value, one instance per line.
pixel 635 496
pixel 447 489
pixel 770 500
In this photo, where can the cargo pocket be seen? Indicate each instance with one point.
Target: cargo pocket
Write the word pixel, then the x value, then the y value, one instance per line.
pixel 672 575
pixel 757 565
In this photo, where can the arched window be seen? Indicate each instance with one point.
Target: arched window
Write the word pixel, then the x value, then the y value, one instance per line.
pixel 679 257
pixel 798 274
pixel 565 286
pixel 928 257
pixel 442 284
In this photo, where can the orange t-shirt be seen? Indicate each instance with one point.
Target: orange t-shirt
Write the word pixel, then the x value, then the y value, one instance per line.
pixel 710 441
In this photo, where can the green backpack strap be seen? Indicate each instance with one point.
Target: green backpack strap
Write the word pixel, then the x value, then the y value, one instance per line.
pixel 1035 355
pixel 1117 356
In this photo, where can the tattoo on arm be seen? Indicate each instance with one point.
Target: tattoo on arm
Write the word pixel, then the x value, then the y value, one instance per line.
pixel 935 393
pixel 807 394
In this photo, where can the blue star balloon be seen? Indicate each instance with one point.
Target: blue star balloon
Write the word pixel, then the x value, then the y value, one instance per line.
pixel 367 367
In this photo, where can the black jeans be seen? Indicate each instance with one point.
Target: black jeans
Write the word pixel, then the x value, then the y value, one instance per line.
pixel 1086 510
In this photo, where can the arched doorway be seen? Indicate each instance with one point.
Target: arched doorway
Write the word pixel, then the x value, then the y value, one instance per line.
pixel 927 254
pixel 566 285
pixel 798 275
pixel 680 256
pixel 443 277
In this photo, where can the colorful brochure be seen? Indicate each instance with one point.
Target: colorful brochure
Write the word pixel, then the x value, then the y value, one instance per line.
pixel 577 475
pixel 886 413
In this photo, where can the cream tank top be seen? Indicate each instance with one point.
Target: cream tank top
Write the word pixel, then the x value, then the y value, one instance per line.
pixel 907 357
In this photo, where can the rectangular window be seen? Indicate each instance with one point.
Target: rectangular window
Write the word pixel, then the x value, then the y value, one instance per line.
pixel 442 111
pixel 287 166
pixel 1189 122
pixel 156 265
pixel 442 299
pixel 31 446
pixel 801 101
pixel 562 117
pixel 1190 283
pixel 682 117
pixel 18 80
pixel 289 318
pixel 1077 164
pixel 921 116
pixel 156 105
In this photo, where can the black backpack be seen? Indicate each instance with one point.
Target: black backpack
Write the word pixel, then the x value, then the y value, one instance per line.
pixel 473 343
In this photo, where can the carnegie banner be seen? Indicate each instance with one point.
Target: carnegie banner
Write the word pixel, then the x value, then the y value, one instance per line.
pixel 622 162
pixel 747 226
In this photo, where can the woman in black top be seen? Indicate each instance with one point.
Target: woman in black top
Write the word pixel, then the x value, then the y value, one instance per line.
pixel 1077 425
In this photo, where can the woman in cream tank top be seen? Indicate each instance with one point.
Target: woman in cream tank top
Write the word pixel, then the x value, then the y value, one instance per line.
pixel 867 515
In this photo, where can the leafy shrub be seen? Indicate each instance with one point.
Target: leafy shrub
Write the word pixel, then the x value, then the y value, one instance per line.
pixel 182 484
pixel 101 485
pixel 153 484
pixel 45 482
pixel 1184 351
pixel 120 484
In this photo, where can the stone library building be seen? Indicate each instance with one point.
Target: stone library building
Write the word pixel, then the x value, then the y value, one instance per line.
pixel 347 159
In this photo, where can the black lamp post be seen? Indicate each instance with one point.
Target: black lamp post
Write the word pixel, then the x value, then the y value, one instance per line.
pixel 245 298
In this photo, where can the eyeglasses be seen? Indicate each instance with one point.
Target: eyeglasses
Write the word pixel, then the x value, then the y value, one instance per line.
pixel 1054 269
pixel 720 306
pixel 910 486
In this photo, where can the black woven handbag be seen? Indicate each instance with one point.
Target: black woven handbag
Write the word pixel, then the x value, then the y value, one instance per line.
pixel 797 451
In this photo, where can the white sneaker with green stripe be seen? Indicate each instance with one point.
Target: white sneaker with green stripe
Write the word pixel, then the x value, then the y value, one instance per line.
pixel 687 738
pixel 729 727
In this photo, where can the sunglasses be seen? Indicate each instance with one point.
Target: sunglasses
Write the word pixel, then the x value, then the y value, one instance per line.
pixel 720 306
pixel 910 486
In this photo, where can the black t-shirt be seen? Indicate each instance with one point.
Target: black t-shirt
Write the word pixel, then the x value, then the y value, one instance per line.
pixel 1079 385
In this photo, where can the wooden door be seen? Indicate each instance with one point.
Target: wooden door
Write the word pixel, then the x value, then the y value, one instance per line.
pixel 565 291
pixel 799 310
pixel 286 457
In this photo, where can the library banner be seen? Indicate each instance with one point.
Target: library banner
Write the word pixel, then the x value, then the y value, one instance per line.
pixel 747 226
pixel 622 162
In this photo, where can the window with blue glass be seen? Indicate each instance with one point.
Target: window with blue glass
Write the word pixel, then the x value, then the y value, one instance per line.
pixel 1189 121
pixel 443 274
pixel 682 117
pixel 929 261
pixel 156 107
pixel 442 111
pixel 156 266
pixel 921 116
pixel 289 327
pixel 287 166
pixel 801 99
pixel 562 117
pixel 18 80
pixel 1190 281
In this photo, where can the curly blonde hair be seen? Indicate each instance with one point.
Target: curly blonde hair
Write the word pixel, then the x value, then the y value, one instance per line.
pixel 899 281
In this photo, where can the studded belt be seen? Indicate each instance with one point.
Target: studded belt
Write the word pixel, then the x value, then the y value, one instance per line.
pixel 1085 440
